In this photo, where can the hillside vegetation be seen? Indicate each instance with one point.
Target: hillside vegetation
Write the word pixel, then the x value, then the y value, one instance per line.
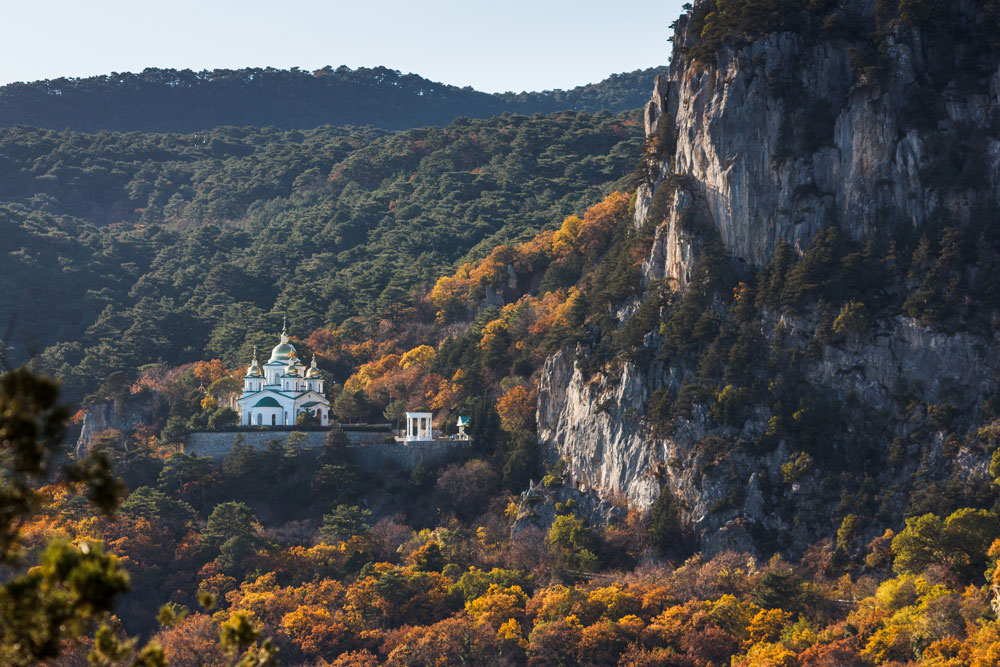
pixel 415 568
pixel 167 100
pixel 819 420
pixel 150 247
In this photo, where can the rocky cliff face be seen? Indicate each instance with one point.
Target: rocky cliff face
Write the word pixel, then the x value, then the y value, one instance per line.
pixel 779 138
pixel 118 417
pixel 597 426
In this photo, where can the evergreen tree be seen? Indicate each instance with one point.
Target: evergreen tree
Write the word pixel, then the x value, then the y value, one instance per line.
pixel 229 521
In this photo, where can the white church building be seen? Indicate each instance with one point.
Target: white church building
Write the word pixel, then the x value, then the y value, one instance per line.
pixel 275 394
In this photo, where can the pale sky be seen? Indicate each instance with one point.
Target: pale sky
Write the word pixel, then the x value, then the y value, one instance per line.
pixel 493 46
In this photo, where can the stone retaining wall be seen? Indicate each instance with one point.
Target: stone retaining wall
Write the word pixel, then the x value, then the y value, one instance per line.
pixel 368 450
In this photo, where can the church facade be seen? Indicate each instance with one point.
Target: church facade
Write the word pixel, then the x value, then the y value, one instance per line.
pixel 276 393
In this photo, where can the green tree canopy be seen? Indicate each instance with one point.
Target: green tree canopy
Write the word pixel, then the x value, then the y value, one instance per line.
pixel 571 544
pixel 229 521
pixel 343 522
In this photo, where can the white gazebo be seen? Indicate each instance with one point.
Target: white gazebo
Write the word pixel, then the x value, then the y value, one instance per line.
pixel 418 427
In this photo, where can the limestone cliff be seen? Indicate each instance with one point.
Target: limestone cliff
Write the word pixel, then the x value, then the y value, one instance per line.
pixel 119 417
pixel 778 136
pixel 781 136
pixel 596 425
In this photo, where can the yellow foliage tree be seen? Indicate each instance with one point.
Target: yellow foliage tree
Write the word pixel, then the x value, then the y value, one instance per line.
pixel 371 371
pixel 315 630
pixel 767 625
pixel 564 241
pixel 613 602
pixel 766 654
pixel 492 329
pixel 498 605
pixel 982 648
pixel 510 633
pixel 208 372
pixel 420 356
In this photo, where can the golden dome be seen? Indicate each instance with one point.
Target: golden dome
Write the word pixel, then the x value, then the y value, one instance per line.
pixel 254 370
pixel 313 372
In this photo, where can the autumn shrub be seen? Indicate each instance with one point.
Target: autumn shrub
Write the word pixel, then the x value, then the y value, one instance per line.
pixel 317 632
pixel 193 641
pixel 474 582
pixel 452 641
pixel 555 643
pixel 498 605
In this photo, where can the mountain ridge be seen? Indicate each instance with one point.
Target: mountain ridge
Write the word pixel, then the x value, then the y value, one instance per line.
pixel 169 100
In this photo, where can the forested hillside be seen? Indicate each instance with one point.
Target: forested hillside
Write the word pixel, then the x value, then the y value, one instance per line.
pixel 166 100
pixel 144 247
pixel 737 406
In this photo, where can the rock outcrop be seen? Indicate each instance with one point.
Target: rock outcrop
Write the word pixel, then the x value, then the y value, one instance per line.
pixel 779 138
pixel 539 506
pixel 119 417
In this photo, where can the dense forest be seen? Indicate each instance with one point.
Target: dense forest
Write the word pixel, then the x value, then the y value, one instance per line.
pixel 147 247
pixel 297 555
pixel 306 573
pixel 167 100
pixel 446 269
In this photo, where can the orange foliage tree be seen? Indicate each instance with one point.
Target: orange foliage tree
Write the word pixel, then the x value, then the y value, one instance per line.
pixel 516 408
pixel 208 372
pixel 587 235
